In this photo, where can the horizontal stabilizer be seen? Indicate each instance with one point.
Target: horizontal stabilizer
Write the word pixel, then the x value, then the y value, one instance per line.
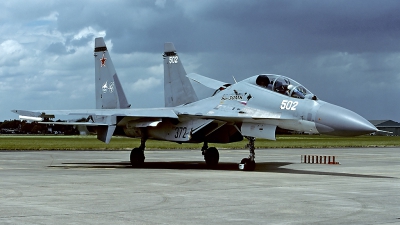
pixel 384 132
pixel 75 123
pixel 31 118
pixel 31 114
pixel 208 82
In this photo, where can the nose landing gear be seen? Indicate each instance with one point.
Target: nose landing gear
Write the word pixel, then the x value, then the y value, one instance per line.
pixel 249 164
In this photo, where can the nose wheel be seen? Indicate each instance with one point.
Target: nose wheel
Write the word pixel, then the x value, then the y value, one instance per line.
pixel 249 164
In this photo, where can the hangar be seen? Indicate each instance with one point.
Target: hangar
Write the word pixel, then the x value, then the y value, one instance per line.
pixel 387 125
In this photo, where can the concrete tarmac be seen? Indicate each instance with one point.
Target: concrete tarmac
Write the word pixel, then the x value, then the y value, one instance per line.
pixel 175 187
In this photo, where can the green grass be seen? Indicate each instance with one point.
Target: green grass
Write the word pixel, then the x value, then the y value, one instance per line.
pixel 8 142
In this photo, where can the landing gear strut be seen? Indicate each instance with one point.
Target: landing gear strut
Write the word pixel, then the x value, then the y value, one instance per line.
pixel 249 164
pixel 211 155
pixel 137 154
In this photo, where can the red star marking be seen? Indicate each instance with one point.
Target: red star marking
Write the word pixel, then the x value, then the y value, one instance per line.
pixel 103 61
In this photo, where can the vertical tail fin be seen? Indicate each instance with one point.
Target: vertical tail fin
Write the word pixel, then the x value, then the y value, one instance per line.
pixel 109 92
pixel 177 87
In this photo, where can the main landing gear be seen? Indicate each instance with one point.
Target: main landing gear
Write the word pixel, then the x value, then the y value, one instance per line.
pixel 137 154
pixel 211 155
pixel 249 164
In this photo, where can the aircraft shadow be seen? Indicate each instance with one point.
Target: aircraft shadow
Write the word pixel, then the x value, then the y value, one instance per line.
pixel 270 167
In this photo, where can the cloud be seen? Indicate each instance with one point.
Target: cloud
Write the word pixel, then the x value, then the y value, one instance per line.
pixel 52 17
pixel 160 3
pixel 346 52
pixel 157 70
pixel 12 52
pixel 58 49
pixel 143 85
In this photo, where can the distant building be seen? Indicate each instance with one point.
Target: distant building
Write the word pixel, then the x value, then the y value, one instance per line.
pixel 387 125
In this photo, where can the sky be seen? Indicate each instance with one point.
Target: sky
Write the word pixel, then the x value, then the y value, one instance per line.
pixel 345 52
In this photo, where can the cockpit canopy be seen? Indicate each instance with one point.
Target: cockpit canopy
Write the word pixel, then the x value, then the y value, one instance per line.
pixel 283 85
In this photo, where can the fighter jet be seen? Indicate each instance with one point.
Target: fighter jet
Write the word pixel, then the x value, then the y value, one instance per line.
pixel 252 108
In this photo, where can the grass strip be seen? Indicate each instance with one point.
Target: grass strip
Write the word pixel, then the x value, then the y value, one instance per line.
pixel 45 142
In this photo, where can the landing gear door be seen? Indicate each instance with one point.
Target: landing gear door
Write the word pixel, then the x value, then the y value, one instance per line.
pixel 258 130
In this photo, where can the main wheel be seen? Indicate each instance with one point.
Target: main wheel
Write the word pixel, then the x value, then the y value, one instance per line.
pixel 211 156
pixel 137 157
pixel 247 165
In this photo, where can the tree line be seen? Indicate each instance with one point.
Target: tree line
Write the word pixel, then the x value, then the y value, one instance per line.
pixel 24 127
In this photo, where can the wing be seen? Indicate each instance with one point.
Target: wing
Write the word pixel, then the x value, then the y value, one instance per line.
pixel 106 120
pixel 136 113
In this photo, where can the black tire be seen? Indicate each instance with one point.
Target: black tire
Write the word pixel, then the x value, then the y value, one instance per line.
pixel 249 165
pixel 211 156
pixel 137 157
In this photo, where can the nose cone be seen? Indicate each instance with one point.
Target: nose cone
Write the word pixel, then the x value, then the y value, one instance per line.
pixel 335 120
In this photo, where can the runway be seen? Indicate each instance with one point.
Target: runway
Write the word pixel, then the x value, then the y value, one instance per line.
pixel 175 187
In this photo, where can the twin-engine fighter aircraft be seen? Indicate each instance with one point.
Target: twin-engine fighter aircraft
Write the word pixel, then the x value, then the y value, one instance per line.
pixel 252 108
